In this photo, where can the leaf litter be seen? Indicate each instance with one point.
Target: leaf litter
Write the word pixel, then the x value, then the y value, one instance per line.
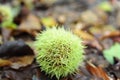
pixel 96 21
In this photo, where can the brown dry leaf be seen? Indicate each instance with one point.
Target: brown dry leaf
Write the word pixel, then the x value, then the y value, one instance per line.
pixel 18 62
pixel 48 21
pixel 117 39
pixel 94 17
pixel 102 15
pixel 97 71
pixel 16 54
pixel 30 25
pixel 15 49
pixel 84 35
pixel 111 34
pixel 89 17
pixel 88 38
pixel 101 30
pixel 4 62
pixel 25 73
pixel 47 2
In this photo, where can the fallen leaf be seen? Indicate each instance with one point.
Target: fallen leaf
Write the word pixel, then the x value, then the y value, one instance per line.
pixel 18 62
pixel 97 71
pixel 30 25
pixel 48 21
pixel 103 16
pixel 84 35
pixel 15 54
pixel 96 30
pixel 116 39
pixel 4 62
pixel 24 73
pixel 111 34
pixel 94 17
pixel 47 2
pixel 89 17
pixel 15 49
pixel 88 38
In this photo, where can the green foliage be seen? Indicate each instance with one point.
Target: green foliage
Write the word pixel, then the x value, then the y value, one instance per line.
pixel 59 52
pixel 6 13
pixel 7 17
pixel 114 51
pixel 106 6
pixel 8 24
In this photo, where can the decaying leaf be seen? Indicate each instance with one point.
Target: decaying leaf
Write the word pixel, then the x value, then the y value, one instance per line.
pixel 102 15
pixel 88 38
pixel 95 17
pixel 97 71
pixel 111 34
pixel 102 30
pixel 15 49
pixel 24 73
pixel 116 39
pixel 89 17
pixel 17 62
pixel 30 25
pixel 4 62
pixel 84 35
pixel 48 22
pixel 47 2
pixel 15 54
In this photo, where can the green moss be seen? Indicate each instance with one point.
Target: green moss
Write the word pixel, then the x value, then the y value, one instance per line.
pixel 59 52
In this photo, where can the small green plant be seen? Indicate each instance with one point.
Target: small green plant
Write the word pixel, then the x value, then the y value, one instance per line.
pixel 105 6
pixel 114 51
pixel 5 12
pixel 59 52
pixel 6 16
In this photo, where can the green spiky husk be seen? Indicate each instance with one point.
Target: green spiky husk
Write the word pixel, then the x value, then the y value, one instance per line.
pixel 59 52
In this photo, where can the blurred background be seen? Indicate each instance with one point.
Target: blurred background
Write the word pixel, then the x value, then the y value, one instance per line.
pixel 23 19
pixel 97 22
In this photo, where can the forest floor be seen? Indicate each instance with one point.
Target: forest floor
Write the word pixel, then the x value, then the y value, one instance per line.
pixel 97 22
